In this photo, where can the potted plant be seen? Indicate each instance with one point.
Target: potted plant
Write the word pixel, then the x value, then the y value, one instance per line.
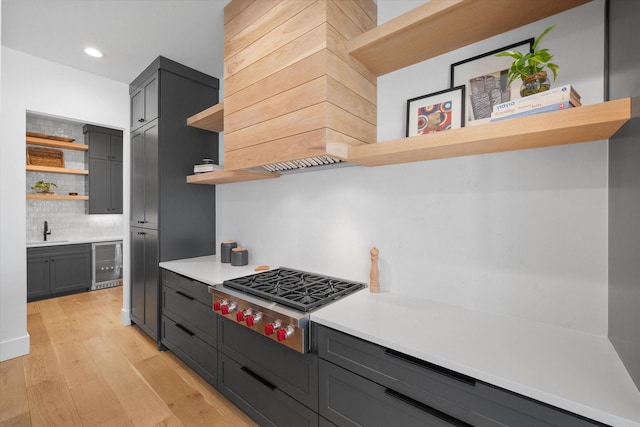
pixel 43 186
pixel 530 67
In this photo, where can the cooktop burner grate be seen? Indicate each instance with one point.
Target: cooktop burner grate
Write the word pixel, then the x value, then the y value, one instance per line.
pixel 296 289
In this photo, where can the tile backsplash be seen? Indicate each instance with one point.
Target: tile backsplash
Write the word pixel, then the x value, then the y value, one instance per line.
pixel 67 220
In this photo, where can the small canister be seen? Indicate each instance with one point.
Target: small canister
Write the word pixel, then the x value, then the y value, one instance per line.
pixel 239 256
pixel 225 250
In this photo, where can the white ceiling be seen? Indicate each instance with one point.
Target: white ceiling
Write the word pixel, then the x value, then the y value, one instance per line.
pixel 130 33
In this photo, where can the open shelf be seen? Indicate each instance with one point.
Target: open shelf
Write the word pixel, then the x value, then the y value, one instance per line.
pixel 211 119
pixel 32 140
pixel 440 26
pixel 226 177
pixel 579 124
pixel 55 197
pixel 51 169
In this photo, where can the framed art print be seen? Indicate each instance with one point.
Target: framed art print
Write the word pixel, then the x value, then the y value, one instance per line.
pixel 485 80
pixel 435 112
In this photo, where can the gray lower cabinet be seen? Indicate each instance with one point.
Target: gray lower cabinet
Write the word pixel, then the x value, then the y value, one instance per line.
pixel 189 325
pixel 274 385
pixel 362 383
pixel 58 270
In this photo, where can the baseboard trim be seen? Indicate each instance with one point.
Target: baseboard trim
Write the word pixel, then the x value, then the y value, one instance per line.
pixel 16 347
pixel 125 317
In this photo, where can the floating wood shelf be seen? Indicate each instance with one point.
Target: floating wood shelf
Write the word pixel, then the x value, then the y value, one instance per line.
pixel 211 119
pixel 55 197
pixel 32 140
pixel 440 26
pixel 50 169
pixel 226 177
pixel 579 124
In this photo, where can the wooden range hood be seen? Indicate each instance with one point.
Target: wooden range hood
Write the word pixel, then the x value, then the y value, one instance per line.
pixel 290 85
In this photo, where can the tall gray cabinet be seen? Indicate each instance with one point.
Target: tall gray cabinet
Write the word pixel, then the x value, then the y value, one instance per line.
pixel 170 219
pixel 624 186
pixel 105 164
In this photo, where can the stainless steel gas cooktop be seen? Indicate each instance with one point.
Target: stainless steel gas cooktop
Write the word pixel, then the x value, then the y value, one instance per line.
pixel 277 303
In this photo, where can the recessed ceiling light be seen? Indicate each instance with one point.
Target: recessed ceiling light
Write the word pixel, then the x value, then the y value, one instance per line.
pixel 93 52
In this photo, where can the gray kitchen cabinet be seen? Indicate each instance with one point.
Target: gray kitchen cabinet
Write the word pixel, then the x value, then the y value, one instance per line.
pixel 189 325
pixel 105 166
pixel 163 151
pixel 144 101
pixel 362 383
pixel 275 386
pixel 58 270
pixel 145 295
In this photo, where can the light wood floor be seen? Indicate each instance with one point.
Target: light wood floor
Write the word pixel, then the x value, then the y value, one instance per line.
pixel 86 369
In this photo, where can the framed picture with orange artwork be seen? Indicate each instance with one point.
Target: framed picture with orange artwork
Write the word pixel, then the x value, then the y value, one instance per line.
pixel 436 112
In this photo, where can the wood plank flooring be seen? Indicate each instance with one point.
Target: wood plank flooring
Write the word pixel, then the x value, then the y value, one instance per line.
pixel 87 369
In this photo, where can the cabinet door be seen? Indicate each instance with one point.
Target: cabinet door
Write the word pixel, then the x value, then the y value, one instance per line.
pixel 99 186
pixel 137 276
pixel 144 103
pixel 70 271
pixel 144 177
pixel 37 276
pixel 116 187
pixel 151 284
pixel 144 280
pixel 99 145
pixel 116 148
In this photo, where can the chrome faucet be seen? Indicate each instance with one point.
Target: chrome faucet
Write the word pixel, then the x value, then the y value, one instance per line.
pixel 46 230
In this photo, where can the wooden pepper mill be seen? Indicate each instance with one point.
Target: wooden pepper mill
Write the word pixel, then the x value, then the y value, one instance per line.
pixel 374 273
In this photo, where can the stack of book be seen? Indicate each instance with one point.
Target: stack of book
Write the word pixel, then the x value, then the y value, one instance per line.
pixel 559 98
pixel 206 167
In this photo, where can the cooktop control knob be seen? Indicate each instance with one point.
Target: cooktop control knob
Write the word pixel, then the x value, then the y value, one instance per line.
pixel 270 328
pixel 285 333
pixel 217 305
pixel 253 318
pixel 226 308
pixel 241 315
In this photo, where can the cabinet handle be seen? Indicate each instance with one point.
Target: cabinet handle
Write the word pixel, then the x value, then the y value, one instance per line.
pixel 141 120
pixel 426 408
pixel 430 366
pixel 141 233
pixel 258 377
pixel 182 294
pixel 183 329
pixel 141 222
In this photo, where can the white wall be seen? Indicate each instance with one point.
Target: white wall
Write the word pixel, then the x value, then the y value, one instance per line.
pixel 521 233
pixel 32 84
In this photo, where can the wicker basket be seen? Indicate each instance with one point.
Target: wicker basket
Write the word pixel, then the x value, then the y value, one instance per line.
pixel 45 157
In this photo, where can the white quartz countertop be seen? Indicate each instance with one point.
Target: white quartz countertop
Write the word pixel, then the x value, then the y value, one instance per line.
pixel 208 269
pixel 73 241
pixel 572 370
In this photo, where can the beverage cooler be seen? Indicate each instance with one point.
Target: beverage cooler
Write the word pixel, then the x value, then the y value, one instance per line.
pixel 107 264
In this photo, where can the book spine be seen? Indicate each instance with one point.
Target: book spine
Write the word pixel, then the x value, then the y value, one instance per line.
pixel 567 90
pixel 532 105
pixel 544 109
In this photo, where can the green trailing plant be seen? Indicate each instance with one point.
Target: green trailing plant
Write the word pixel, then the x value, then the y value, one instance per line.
pixel 43 186
pixel 532 63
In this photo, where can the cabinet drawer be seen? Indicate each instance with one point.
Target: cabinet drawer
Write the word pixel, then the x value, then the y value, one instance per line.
pixel 200 356
pixel 188 287
pixel 196 316
pixel 258 398
pixel 415 378
pixel 294 373
pixel 347 399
